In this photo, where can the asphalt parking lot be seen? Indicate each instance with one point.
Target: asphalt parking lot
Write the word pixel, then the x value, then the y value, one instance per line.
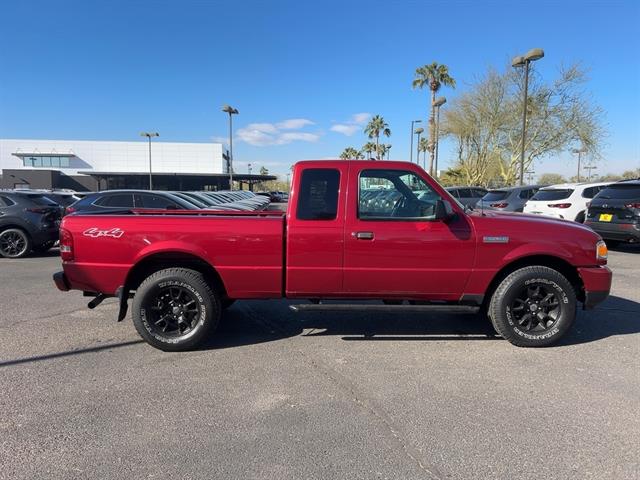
pixel 323 396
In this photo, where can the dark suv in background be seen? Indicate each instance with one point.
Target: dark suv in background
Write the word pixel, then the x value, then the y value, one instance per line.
pixel 614 213
pixel 28 222
pixel 118 199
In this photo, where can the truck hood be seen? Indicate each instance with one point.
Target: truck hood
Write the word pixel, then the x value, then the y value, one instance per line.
pixel 530 221
pixel 536 234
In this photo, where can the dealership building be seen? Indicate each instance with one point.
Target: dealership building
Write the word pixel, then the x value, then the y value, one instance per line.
pixel 104 165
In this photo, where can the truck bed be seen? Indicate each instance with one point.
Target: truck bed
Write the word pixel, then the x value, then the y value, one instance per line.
pixel 246 248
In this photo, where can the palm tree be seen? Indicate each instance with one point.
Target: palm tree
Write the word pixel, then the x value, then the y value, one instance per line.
pixel 376 127
pixel 382 150
pixel 433 76
pixel 350 153
pixel 369 147
pixel 423 146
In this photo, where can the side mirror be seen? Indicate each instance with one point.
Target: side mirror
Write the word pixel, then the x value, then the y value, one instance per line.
pixel 442 212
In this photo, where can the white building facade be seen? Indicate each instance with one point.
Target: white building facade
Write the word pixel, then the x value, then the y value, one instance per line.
pixel 24 159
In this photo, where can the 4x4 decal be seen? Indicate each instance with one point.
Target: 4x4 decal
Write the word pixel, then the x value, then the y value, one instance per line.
pixel 95 232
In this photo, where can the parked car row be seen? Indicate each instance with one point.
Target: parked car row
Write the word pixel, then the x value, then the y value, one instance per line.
pixel 611 209
pixel 30 219
pixel 29 222
pixel 276 196
pixel 121 199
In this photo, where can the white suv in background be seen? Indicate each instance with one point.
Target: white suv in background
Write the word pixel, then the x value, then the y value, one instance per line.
pixel 566 200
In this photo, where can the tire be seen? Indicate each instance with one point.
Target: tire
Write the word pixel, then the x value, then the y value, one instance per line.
pixel 580 217
pixel 14 243
pixel 175 309
pixel 533 307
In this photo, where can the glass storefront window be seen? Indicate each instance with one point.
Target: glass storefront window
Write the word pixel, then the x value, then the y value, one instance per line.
pixel 46 161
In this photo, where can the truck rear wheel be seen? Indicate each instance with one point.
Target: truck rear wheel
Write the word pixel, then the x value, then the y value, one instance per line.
pixel 175 309
pixel 533 307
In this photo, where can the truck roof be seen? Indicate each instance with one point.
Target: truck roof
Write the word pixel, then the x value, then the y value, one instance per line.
pixel 361 163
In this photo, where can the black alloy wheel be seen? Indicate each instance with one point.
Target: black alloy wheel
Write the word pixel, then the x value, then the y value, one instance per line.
pixel 536 308
pixel 14 243
pixel 174 312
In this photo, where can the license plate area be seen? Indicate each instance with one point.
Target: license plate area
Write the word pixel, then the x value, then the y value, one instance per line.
pixel 605 217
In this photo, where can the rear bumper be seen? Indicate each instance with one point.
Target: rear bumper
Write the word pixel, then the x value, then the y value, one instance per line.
pixel 624 232
pixel 597 284
pixel 60 279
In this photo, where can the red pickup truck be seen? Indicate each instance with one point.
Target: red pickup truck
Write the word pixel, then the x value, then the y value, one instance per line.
pixel 382 231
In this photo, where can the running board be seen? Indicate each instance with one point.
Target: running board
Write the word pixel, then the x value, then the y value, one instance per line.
pixel 358 307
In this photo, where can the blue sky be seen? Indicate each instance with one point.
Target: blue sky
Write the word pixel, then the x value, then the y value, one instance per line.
pixel 303 74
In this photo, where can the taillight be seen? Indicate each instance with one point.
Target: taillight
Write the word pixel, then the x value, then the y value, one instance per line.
pixel 558 205
pixel 499 205
pixel 66 244
pixel 69 210
pixel 633 205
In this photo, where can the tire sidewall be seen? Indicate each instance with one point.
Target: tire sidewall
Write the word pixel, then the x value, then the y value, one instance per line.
pixel 27 240
pixel 207 302
pixel 505 322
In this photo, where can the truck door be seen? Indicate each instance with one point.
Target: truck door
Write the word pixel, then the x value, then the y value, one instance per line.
pixel 315 230
pixel 393 245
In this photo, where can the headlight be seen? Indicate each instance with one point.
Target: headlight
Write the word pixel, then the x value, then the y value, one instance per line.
pixel 602 252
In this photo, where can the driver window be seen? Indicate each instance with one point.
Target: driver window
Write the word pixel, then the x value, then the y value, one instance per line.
pixel 395 195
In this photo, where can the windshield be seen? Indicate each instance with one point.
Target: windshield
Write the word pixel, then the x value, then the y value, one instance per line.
pixel 495 195
pixel 552 194
pixel 622 192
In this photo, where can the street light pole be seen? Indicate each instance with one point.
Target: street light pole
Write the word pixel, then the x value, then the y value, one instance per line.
pixel 388 150
pixel 590 167
pixel 231 111
pixel 413 122
pixel 149 135
pixel 580 151
pixel 438 103
pixel 524 61
pixel 418 131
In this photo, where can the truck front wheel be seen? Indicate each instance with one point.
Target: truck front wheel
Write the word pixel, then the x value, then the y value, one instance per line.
pixel 533 307
pixel 175 309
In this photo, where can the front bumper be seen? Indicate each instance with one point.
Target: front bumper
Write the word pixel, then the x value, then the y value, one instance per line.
pixel 60 279
pixel 597 284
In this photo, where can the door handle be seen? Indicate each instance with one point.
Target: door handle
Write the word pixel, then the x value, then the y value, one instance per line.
pixel 362 235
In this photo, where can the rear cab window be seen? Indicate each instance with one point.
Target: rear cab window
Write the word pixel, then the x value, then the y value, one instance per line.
pixel 318 195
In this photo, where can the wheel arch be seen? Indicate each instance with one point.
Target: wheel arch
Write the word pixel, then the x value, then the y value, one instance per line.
pixel 161 260
pixel 556 263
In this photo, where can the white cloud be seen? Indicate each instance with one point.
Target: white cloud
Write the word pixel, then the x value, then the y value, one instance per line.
pixel 294 124
pixel 302 136
pixel 217 139
pixel 361 118
pixel 351 126
pixel 266 134
pixel 263 127
pixel 347 130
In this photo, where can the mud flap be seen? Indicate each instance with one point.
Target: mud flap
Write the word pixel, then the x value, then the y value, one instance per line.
pixel 123 297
